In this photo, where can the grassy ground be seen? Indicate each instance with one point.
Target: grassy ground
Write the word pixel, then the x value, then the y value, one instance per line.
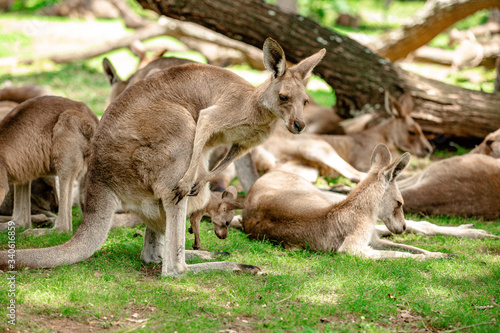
pixel 298 291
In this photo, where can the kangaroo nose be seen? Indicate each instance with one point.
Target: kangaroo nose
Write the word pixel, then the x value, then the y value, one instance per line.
pixel 428 150
pixel 298 126
pixel 404 227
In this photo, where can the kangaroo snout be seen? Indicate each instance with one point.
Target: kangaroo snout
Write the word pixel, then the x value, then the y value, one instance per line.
pixel 297 126
pixel 221 233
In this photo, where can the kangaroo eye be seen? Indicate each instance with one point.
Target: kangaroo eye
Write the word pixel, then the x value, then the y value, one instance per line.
pixel 412 132
pixel 283 97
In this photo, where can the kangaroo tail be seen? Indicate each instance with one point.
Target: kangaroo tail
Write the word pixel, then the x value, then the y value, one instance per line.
pixel 100 204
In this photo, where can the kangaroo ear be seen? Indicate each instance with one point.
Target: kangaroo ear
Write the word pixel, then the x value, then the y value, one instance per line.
pixel 110 71
pixel 395 169
pixel 230 192
pixel 235 205
pixel 381 157
pixel 274 57
pixel 306 66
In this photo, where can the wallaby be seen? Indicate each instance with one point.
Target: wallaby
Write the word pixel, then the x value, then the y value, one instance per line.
pixel 466 185
pixel 44 136
pixel 220 208
pixel 285 208
pixel 118 85
pixel 151 149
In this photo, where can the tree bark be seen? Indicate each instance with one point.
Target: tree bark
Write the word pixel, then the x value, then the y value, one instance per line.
pixel 435 17
pixel 357 76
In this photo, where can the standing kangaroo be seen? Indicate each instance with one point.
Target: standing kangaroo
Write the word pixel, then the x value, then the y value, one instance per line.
pixel 286 208
pixel 152 145
pixel 41 137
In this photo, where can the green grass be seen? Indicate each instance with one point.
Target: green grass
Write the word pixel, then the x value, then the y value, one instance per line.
pixel 301 290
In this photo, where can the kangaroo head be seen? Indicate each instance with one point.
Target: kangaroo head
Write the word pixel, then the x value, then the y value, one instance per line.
pixel 225 212
pixel 286 94
pixel 407 134
pixel 117 85
pixel 490 145
pixel 391 206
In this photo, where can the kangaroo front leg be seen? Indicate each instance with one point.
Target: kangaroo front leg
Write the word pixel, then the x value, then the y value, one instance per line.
pixel 234 152
pixel 204 130
pixel 22 205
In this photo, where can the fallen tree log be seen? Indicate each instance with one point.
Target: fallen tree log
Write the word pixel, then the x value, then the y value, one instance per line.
pixel 356 74
pixel 435 17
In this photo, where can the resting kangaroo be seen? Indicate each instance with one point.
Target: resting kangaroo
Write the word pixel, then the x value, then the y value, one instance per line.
pixel 286 208
pixel 41 137
pixel 151 149
pixel 220 208
pixel 466 185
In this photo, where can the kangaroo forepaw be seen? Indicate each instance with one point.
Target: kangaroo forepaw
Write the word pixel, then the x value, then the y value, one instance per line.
pixel 195 189
pixel 182 189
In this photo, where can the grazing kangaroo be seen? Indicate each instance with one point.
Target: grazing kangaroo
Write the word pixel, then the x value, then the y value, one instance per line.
pixel 220 208
pixel 286 208
pixel 41 137
pixel 151 149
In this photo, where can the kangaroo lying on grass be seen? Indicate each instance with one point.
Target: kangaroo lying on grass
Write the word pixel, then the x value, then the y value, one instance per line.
pixel 345 154
pixel 41 137
pixel 286 208
pixel 156 130
pixel 466 185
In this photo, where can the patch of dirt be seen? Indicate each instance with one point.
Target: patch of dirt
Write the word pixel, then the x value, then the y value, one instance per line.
pixel 136 317
pixel 490 250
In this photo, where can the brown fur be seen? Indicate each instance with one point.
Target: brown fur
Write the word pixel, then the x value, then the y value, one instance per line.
pixel 285 208
pixel 22 93
pixel 467 185
pixel 156 137
pixel 41 137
